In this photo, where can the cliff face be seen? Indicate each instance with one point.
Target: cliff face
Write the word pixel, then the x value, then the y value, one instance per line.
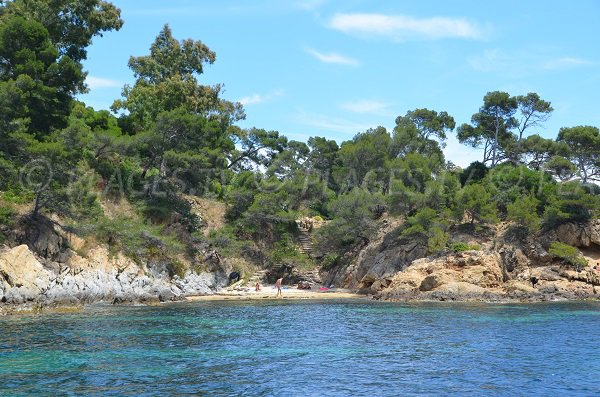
pixel 27 279
pixel 396 268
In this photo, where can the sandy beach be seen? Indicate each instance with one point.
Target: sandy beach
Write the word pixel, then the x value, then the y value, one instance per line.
pixel 289 293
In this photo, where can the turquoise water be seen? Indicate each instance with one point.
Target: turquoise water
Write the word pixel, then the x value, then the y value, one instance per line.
pixel 304 348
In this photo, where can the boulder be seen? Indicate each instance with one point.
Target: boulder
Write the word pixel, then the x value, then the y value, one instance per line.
pixel 431 282
pixel 22 276
pixel 167 295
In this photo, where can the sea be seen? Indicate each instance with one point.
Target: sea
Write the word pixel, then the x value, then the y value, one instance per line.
pixel 305 348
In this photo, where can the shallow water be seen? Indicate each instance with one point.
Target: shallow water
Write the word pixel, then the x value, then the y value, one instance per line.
pixel 304 348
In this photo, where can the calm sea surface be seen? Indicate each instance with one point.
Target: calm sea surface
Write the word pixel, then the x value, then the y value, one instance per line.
pixel 304 348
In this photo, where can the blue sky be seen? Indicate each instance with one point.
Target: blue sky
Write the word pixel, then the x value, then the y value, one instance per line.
pixel 335 68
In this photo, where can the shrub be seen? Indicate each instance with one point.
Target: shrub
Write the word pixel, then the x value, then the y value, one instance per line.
pixel 524 213
pixel 329 261
pixel 285 252
pixel 438 239
pixel 569 254
pixel 136 239
pixel 474 173
pixel 571 203
pixel 7 214
pixel 176 268
pixel 459 246
pixel 475 201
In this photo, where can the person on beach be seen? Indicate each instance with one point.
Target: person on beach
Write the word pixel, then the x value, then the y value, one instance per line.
pixel 278 286
pixel 257 287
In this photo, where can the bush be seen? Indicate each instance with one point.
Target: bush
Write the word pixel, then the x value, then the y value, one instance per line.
pixel 285 251
pixel 330 261
pixel 459 246
pixel 474 173
pixel 524 212
pixel 475 201
pixel 7 214
pixel 353 220
pixel 176 268
pixel 136 239
pixel 569 254
pixel 437 241
pixel 571 203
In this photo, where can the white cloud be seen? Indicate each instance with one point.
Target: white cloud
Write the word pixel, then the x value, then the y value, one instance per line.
pixel 403 27
pixel 565 63
pixel 259 98
pixel 99 82
pixel 331 124
pixel 366 106
pixel 252 99
pixel 521 62
pixel 333 58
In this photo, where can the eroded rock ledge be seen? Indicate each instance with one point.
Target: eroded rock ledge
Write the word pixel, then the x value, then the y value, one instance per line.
pixel 28 279
pixel 481 276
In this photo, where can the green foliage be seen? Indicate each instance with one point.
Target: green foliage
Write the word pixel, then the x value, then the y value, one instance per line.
pixel 36 85
pixel 569 254
pixel 512 182
pixel 176 268
pixel 430 223
pixel 460 246
pixel 501 135
pixel 583 144
pixel 258 147
pixel 570 203
pixel 71 24
pixel 7 214
pixel 490 128
pixel 166 81
pixel 134 238
pixel 330 260
pixel 438 239
pixel 366 153
pixel 475 202
pixel 524 212
pixel 474 173
pixel 562 168
pixel 353 219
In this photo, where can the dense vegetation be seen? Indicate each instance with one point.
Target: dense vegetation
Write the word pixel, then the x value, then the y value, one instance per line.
pixel 170 138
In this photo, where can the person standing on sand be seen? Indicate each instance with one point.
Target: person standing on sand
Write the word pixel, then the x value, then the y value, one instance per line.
pixel 278 286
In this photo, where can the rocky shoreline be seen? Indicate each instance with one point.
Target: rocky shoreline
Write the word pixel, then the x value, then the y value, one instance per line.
pixel 30 283
pixel 390 268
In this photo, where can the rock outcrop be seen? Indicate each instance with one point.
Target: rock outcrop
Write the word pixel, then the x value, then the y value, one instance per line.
pixel 580 235
pixel 370 266
pixel 482 276
pixel 25 278
pixel 397 268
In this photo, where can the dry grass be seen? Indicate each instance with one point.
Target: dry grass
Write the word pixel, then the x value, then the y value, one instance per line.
pixel 211 211
pixel 120 208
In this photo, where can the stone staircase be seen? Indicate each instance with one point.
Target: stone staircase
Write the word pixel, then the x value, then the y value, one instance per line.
pixel 258 276
pixel 305 242
pixel 305 227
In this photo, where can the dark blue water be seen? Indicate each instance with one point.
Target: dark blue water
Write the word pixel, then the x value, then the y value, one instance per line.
pixel 333 348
